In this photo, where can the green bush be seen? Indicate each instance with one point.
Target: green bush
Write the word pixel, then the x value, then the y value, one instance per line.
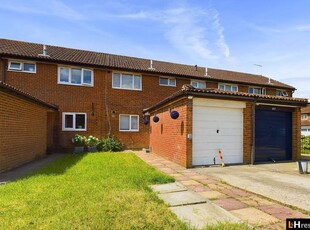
pixel 109 144
pixel 305 142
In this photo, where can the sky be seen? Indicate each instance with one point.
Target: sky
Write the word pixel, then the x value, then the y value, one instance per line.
pixel 268 37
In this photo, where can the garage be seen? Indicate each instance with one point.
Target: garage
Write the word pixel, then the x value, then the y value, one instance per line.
pixel 273 134
pixel 217 124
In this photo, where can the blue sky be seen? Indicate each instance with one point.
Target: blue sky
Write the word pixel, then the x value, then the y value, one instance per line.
pixel 225 34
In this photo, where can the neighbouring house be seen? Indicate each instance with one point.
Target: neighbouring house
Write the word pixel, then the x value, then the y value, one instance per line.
pixel 305 121
pixel 25 127
pixel 104 94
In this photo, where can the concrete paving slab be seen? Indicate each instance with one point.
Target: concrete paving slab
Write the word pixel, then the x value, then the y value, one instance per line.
pixel 254 216
pixel 182 198
pixel 201 215
pixel 213 195
pixel 167 188
pixel 230 204
pixel 190 182
pixel 198 188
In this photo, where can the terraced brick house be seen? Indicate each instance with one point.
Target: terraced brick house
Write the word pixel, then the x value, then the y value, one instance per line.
pixel 251 118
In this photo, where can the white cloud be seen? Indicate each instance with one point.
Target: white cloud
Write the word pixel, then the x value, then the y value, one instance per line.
pixel 51 8
pixel 197 33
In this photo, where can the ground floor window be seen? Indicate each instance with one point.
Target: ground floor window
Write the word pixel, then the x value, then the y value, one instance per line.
pixel 74 121
pixel 128 122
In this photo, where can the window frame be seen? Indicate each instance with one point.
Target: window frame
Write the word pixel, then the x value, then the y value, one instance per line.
pixel 263 90
pixel 74 121
pixel 133 81
pixel 227 84
pixel 22 65
pixel 70 76
pixel 304 117
pixel 283 92
pixel 169 79
pixel 130 129
pixel 197 81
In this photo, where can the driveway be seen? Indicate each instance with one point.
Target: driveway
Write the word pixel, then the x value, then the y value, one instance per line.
pixel 281 181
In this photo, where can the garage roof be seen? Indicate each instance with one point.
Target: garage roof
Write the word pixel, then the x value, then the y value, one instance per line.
pixel 56 54
pixel 188 90
pixel 16 92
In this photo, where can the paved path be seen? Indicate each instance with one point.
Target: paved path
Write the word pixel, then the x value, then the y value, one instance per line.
pixel 249 207
pixel 281 182
pixel 25 169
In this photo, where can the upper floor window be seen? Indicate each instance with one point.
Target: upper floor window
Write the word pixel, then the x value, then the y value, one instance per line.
pixel 304 116
pixel 74 121
pixel 281 92
pixel 126 81
pixel 165 81
pixel 75 76
pixel 228 87
pixel 198 84
pixel 128 122
pixel 22 66
pixel 257 90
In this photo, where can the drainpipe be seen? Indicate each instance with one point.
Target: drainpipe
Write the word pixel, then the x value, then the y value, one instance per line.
pixel 3 70
pixel 253 133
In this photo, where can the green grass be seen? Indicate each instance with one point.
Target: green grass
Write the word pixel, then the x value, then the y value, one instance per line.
pixel 305 151
pixel 90 191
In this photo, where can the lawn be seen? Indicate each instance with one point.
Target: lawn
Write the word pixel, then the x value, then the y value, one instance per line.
pixel 88 191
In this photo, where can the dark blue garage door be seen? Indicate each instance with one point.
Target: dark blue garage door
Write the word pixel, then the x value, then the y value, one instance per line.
pixel 273 134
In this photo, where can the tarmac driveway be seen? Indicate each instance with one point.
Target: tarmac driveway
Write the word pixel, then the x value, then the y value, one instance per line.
pixel 280 181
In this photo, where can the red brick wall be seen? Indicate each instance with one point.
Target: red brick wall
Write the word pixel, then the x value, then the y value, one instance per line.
pixel 69 98
pixel 23 131
pixel 168 137
pixel 102 97
pixel 247 132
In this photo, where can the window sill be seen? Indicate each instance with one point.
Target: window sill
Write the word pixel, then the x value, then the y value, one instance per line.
pixel 21 71
pixel 83 85
pixel 127 89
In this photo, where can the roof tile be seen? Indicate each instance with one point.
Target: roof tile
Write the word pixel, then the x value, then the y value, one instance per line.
pixel 20 49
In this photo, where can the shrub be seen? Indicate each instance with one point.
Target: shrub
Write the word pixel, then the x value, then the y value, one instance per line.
pixel 109 144
pixel 92 141
pixel 78 140
pixel 305 142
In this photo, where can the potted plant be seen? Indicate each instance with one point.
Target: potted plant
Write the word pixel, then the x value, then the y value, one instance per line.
pixel 78 141
pixel 92 142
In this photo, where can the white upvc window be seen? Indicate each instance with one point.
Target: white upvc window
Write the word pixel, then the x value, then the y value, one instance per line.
pixel 228 87
pixel 19 66
pixel 198 84
pixel 281 92
pixel 304 116
pixel 167 81
pixel 129 123
pixel 126 81
pixel 75 76
pixel 257 90
pixel 74 121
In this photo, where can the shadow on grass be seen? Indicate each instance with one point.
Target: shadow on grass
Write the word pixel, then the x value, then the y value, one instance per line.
pixel 59 166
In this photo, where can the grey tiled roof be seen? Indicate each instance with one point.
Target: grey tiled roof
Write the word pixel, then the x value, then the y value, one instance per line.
pixel 27 50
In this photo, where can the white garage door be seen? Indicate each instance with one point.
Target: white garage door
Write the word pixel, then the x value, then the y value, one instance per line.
pixel 217 124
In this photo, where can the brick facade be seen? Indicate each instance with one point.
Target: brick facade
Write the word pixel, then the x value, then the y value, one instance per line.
pixel 23 131
pixel 168 137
